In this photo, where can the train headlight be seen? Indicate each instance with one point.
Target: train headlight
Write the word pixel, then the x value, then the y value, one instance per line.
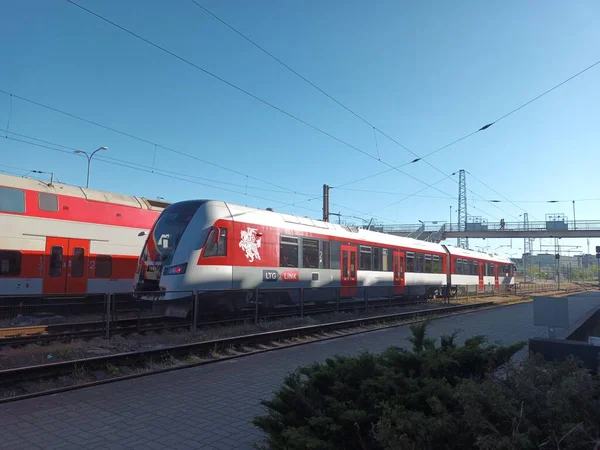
pixel 175 270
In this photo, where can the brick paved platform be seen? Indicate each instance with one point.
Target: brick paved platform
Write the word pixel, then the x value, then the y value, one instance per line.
pixel 210 407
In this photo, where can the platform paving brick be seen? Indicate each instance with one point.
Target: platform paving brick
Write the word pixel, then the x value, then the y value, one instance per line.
pixel 210 407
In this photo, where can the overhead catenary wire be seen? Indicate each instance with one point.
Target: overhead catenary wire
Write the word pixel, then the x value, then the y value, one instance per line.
pixel 147 141
pixel 147 169
pixel 152 167
pixel 246 92
pixel 367 122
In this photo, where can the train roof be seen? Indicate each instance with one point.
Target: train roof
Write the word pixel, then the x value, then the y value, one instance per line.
pixel 86 193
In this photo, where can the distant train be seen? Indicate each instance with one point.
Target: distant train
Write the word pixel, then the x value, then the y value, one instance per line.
pixel 211 246
pixel 57 239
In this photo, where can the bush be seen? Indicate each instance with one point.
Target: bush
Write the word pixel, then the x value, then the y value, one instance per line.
pixel 446 397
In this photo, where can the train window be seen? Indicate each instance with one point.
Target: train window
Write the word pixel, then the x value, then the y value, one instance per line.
pixel 325 258
pixel 365 262
pixel 12 200
pixel 345 264
pixel 419 262
pixel 376 258
pixel 475 268
pixel 48 202
pixel 384 259
pixel 427 267
pixel 310 253
pixel 352 264
pixel 390 262
pixel 335 247
pixel 77 262
pixel 492 274
pixel 10 263
pixel 436 264
pixel 410 262
pixel 458 266
pixel 103 266
pixel 288 252
pixel 214 247
pixel 56 262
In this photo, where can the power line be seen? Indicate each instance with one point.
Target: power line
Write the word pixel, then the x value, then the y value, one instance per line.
pixel 146 141
pixel 228 83
pixel 265 102
pixel 150 167
pixel 495 191
pixel 419 158
pixel 141 168
pixel 186 61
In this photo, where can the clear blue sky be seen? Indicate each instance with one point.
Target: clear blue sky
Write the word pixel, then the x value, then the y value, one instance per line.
pixel 424 72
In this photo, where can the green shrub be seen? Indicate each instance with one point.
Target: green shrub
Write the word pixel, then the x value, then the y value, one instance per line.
pixel 398 399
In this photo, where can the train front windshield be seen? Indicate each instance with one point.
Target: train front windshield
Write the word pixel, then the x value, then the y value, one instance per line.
pixel 164 237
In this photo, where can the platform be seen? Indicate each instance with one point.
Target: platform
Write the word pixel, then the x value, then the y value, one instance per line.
pixel 210 407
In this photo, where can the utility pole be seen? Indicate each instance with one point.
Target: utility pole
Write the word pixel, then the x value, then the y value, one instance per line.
pixel 598 262
pixel 325 203
pixel 462 209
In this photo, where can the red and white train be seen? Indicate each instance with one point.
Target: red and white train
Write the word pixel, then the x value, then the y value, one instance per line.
pixel 217 246
pixel 57 239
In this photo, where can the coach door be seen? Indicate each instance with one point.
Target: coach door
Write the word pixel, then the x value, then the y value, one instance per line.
pixel 496 281
pixel 398 273
pixel 481 272
pixel 348 269
pixel 66 268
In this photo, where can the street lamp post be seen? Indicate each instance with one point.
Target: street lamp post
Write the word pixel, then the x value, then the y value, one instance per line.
pixel 89 158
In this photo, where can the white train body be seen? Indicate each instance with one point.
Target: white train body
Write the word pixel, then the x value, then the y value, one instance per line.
pixel 211 245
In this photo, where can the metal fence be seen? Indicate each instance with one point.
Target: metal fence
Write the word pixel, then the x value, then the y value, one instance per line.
pixel 113 311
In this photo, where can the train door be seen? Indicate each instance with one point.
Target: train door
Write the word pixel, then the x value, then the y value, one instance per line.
pixel 496 280
pixel 398 267
pixel 348 271
pixel 481 272
pixel 77 266
pixel 65 269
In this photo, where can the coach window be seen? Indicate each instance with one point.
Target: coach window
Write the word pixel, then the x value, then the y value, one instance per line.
pixel 77 262
pixel 458 268
pixel 288 252
pixel 352 264
pixel 384 259
pixel 325 255
pixel 310 253
pixel 419 262
pixel 56 262
pixel 376 258
pixel 410 262
pixel 427 268
pixel 475 265
pixel 10 263
pixel 216 243
pixel 103 266
pixel 492 274
pixel 365 258
pixel 436 264
pixel 48 202
pixel 12 200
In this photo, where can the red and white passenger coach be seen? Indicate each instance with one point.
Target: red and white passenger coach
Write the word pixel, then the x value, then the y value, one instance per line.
pixel 56 238
pixel 216 246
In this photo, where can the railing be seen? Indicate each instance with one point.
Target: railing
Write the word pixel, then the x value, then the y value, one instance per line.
pixel 437 236
pixel 570 225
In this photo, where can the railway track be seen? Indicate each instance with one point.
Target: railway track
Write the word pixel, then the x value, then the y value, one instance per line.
pixel 12 380
pixel 49 333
